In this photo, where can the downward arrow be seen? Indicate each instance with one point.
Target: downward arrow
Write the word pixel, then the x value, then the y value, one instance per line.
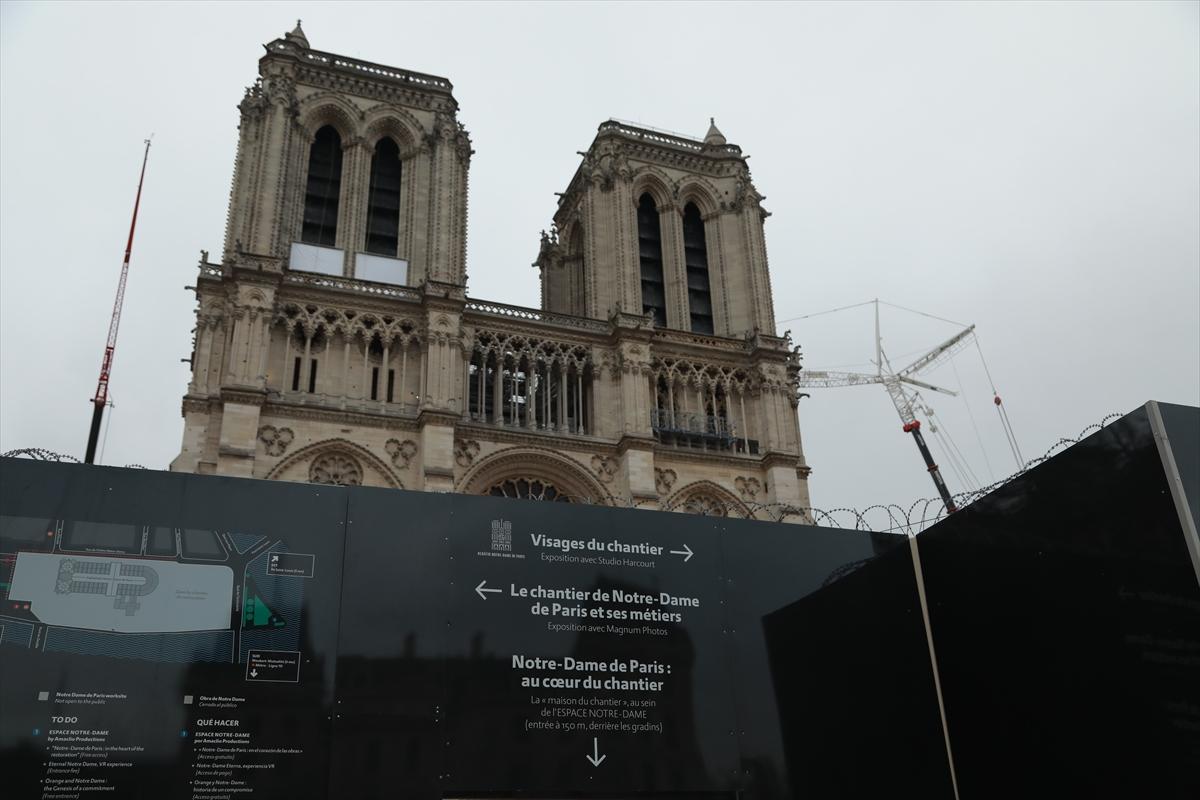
pixel 597 758
pixel 253 673
pixel 686 552
pixel 480 590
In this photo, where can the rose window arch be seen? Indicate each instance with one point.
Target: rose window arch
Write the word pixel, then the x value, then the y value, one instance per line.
pixel 528 489
pixel 337 469
pixel 704 505
pixel 707 499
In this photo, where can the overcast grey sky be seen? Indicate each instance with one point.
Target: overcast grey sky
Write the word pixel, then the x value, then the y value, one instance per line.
pixel 1030 168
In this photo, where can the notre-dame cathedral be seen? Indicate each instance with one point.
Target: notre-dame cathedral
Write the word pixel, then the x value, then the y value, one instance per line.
pixel 335 341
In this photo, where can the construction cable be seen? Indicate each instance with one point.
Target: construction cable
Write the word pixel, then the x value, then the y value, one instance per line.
pixel 1000 411
pixel 962 459
pixel 1008 431
pixel 921 313
pixel 954 459
pixel 936 438
pixel 949 459
pixel 954 455
pixel 970 414
pixel 947 455
pixel 1008 425
pixel 958 451
pixel 107 424
pixel 822 313
pixel 1005 424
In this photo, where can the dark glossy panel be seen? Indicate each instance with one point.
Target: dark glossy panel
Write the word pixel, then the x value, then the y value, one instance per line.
pixel 1066 618
pixel 26 533
pixel 134 685
pixel 1182 425
pixel 101 537
pixel 832 675
pixel 392 648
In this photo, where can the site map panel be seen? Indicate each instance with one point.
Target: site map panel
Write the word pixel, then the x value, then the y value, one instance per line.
pixel 165 637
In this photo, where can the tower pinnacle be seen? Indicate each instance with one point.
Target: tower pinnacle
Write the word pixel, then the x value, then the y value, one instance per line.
pixel 714 137
pixel 297 36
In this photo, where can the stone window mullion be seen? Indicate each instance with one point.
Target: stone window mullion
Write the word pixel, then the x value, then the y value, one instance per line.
pixel 671 223
pixel 718 287
pixel 356 175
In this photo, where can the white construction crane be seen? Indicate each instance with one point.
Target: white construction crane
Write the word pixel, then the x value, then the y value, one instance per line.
pixel 904 399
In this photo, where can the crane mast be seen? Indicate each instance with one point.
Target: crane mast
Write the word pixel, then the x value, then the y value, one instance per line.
pixel 894 381
pixel 110 345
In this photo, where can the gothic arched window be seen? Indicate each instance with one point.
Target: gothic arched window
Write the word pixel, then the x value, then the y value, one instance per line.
pixel 695 258
pixel 324 185
pixel 576 291
pixel 654 298
pixel 528 489
pixel 705 505
pixel 383 200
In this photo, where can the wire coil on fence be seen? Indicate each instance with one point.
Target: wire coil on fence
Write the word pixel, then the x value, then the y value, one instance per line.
pixel 880 517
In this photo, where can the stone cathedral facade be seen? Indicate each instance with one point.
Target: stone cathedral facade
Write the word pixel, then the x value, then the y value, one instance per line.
pixel 335 341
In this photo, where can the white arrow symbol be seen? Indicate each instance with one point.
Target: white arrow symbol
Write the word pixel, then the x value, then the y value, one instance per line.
pixel 686 552
pixel 480 590
pixel 253 673
pixel 597 758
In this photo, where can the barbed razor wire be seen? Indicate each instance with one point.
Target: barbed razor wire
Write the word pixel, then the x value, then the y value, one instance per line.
pixel 878 517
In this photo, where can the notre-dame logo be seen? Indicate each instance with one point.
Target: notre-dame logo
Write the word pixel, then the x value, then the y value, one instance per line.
pixel 502 535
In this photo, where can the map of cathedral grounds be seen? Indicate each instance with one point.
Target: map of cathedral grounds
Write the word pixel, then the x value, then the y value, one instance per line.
pixel 147 592
pixel 123 595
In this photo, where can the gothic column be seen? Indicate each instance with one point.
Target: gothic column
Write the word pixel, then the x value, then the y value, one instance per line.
pixel 447 203
pixel 562 396
pixel 670 225
pixel 466 356
pixel 249 352
pixel 286 373
pixel 419 170
pixel 264 349
pixel 498 389
pixel 232 367
pixel 383 373
pixel 718 279
pixel 424 347
pixel 759 281
pixel 402 394
pixel 204 336
pixel 324 381
pixel 626 264
pixel 356 177
pixel 531 395
pixel 269 167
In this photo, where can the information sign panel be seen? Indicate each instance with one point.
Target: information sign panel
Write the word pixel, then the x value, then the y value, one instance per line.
pixel 179 665
pixel 606 647
pixel 200 638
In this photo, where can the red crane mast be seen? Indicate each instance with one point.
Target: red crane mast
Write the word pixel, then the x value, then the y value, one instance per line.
pixel 101 398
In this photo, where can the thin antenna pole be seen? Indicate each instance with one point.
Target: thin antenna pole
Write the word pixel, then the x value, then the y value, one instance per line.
pixel 878 342
pixel 101 397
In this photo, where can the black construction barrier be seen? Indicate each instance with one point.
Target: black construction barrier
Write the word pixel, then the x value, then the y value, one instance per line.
pixel 183 636
pixel 1065 610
